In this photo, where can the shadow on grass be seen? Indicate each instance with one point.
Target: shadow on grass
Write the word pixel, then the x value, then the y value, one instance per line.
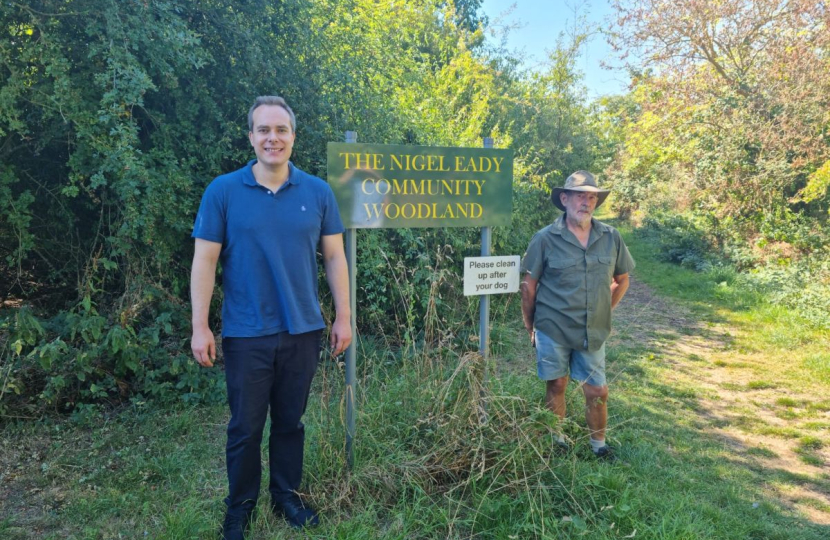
pixel 669 427
pixel 724 479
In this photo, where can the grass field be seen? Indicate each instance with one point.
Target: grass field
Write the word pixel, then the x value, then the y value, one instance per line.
pixel 718 404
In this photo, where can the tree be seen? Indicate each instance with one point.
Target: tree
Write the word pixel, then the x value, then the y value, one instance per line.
pixel 738 90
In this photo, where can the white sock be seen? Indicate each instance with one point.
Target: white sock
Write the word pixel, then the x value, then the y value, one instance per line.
pixel 561 439
pixel 596 445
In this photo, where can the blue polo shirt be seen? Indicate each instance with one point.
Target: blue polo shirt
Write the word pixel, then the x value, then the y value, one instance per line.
pixel 269 249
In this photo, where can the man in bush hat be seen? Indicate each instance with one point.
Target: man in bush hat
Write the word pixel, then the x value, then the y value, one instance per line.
pixel 264 223
pixel 575 272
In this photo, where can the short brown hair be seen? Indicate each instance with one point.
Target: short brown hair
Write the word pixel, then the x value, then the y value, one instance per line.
pixel 271 100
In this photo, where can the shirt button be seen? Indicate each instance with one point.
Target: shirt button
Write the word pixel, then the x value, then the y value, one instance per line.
pixel 269 193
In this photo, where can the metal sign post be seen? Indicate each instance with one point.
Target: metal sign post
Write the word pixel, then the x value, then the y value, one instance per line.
pixel 484 307
pixel 484 315
pixel 351 260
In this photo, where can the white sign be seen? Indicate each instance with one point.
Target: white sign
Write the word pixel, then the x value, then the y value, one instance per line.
pixel 491 275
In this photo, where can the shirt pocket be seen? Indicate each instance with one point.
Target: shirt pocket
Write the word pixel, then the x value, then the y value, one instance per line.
pixel 600 268
pixel 565 273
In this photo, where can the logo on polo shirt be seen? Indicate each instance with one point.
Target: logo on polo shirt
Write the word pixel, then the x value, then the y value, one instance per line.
pixel 302 208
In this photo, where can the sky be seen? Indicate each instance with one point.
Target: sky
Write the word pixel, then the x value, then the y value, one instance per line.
pixel 540 22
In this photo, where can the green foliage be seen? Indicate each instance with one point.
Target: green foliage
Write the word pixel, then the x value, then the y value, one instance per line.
pixel 728 122
pixel 817 184
pixel 77 357
pixel 114 116
pixel 803 285
pixel 716 251
pixel 681 239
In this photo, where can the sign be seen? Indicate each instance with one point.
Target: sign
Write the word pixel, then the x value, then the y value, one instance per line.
pixel 491 275
pixel 396 186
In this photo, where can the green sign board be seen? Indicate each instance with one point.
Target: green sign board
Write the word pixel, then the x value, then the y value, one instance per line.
pixel 391 186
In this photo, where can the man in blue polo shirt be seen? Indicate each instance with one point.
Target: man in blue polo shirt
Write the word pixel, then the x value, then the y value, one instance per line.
pixel 264 223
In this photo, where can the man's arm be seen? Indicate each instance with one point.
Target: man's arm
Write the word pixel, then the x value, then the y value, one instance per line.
pixel 202 279
pixel 528 287
pixel 337 275
pixel 618 288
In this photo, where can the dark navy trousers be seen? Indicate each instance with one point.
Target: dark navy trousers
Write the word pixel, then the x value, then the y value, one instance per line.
pixel 267 372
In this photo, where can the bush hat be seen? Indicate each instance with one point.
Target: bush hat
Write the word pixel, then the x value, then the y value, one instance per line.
pixel 579 181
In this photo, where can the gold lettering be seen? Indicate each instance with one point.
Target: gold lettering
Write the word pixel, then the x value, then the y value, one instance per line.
pixel 498 161
pixel 376 163
pixel 459 164
pixel 481 161
pixel 345 155
pixel 409 206
pixel 473 208
pixel 415 190
pixel 415 163
pixel 441 165
pixel 479 184
pixel 399 189
pixel 374 209
pixel 363 185
pixel 387 208
pixel 395 161
pixel 382 184
pixel 361 161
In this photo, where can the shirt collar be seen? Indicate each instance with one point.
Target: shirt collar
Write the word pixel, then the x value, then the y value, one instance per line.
pixel 559 225
pixel 249 180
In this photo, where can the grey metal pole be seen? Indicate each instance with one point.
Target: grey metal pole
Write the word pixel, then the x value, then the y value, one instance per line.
pixel 484 314
pixel 351 384
pixel 484 305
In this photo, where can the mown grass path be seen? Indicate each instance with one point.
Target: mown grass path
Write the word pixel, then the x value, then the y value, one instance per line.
pixel 749 375
pixel 771 423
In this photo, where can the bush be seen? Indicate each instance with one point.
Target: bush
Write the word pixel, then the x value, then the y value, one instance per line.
pixel 803 285
pixel 786 276
pixel 80 357
pixel 681 240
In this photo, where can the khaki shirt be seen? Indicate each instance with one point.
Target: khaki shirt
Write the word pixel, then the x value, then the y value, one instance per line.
pixel 573 296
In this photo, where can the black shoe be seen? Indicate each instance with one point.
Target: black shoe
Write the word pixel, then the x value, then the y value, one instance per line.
pixel 561 447
pixel 606 453
pixel 235 527
pixel 295 512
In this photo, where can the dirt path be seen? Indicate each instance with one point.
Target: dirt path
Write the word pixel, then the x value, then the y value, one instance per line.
pixel 776 428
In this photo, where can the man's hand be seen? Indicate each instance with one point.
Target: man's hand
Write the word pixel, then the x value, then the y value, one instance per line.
pixel 203 345
pixel 618 288
pixel 341 335
pixel 337 274
pixel 202 279
pixel 528 287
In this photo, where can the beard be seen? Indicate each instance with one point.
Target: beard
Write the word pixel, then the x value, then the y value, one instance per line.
pixel 580 219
